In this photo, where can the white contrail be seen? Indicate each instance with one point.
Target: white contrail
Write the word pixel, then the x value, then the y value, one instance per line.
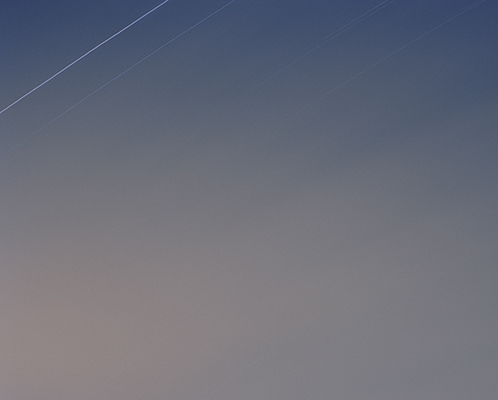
pixel 398 50
pixel 83 56
pixel 120 75
pixel 357 19
pixel 333 35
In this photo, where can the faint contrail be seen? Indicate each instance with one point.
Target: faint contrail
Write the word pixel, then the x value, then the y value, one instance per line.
pixel 333 35
pixel 83 56
pixel 357 19
pixel 398 50
pixel 121 74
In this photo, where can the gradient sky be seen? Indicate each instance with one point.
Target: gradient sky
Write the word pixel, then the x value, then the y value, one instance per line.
pixel 259 210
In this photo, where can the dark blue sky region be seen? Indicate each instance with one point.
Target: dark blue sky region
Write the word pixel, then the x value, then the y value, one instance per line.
pixel 292 199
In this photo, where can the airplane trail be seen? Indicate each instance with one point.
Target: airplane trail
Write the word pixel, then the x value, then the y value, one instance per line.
pixel 397 51
pixel 82 57
pixel 332 36
pixel 357 19
pixel 120 75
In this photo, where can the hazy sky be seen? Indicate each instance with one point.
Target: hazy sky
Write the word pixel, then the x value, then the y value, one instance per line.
pixel 292 200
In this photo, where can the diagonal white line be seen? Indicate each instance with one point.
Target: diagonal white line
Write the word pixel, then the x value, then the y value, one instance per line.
pixel 398 50
pixel 120 75
pixel 332 36
pixel 83 56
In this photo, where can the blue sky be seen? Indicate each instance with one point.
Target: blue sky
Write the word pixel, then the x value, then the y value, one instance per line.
pixel 290 200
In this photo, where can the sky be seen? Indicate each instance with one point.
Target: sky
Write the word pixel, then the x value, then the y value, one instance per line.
pixel 258 199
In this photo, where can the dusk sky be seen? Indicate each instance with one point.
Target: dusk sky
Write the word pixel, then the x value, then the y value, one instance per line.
pixel 249 199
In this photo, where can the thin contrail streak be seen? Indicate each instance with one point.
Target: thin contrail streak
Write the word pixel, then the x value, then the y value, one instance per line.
pixel 120 75
pixel 357 19
pixel 83 56
pixel 332 36
pixel 397 51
